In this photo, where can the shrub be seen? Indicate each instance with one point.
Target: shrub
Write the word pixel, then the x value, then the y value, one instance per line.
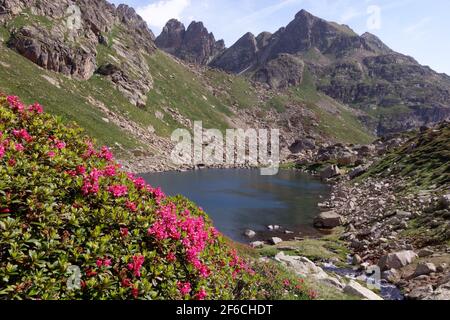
pixel 73 225
pixel 66 206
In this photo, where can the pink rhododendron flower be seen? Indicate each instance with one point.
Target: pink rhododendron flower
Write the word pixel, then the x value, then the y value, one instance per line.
pixel 201 295
pixel 12 162
pixel 106 154
pixel 171 257
pixel 15 103
pixel 157 193
pixel 204 271
pixel 51 154
pixel 90 182
pixel 60 145
pixel 126 283
pixel 139 183
pixel 81 170
pixel 90 150
pixel 131 206
pixel 135 292
pixel 110 171
pixel 184 288
pixel 107 262
pixel 2 151
pixel 118 191
pixel 22 134
pixel 36 107
pixel 136 265
pixel 214 233
pixel 19 147
pixel 190 230
pixel 99 263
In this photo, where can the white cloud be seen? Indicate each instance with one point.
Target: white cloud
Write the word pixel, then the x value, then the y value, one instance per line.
pixel 158 13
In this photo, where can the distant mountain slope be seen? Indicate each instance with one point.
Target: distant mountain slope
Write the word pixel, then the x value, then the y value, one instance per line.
pixel 396 92
pixel 110 78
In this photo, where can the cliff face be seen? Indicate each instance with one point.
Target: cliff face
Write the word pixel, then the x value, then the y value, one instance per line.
pixel 194 45
pixel 357 70
pixel 69 39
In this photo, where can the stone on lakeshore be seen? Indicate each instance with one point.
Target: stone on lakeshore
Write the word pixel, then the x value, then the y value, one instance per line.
pixel 424 269
pixel 330 172
pixel 392 276
pixel 425 253
pixel 347 159
pixel 257 244
pixel 276 240
pixel 354 288
pixel 250 233
pixel 328 220
pixel 301 265
pixel 397 260
pixel 357 172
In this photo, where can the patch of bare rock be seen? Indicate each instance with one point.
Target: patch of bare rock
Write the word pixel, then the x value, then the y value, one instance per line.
pixel 403 231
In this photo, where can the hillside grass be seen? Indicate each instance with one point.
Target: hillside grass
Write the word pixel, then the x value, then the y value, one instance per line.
pixel 178 88
pixel 20 76
pixel 234 90
pixel 424 160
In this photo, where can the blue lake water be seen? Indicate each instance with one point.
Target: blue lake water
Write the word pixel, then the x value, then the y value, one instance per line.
pixel 240 199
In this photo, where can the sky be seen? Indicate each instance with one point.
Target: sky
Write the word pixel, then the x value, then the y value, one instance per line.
pixel 417 28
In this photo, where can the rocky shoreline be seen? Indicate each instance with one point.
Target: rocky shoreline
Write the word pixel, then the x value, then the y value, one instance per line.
pixel 378 229
pixel 402 230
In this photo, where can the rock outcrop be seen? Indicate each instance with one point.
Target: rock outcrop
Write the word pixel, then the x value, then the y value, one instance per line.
pixel 240 57
pixel 39 46
pixel 81 39
pixel 284 71
pixel 194 45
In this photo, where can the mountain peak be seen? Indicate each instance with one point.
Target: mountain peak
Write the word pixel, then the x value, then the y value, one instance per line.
pixel 304 14
pixel 174 22
pixel 196 25
pixel 194 44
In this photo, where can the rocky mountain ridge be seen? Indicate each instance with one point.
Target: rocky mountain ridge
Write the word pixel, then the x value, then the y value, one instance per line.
pixel 194 44
pixel 393 89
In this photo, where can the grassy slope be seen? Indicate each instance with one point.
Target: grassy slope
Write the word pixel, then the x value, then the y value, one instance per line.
pixel 424 163
pixel 424 159
pixel 21 77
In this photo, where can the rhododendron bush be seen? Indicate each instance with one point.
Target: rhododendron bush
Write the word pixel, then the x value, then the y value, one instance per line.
pixel 63 203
